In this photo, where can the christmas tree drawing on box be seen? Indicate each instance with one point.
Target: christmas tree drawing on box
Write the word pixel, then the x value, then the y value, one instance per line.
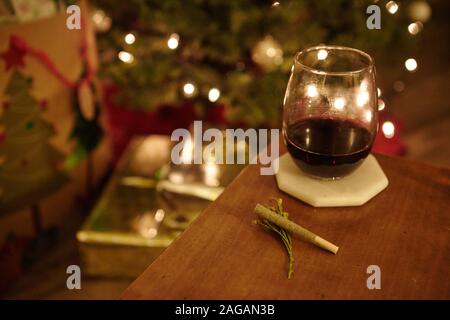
pixel 30 166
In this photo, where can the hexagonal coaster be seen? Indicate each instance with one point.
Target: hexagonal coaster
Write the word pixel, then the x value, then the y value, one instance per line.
pixel 353 190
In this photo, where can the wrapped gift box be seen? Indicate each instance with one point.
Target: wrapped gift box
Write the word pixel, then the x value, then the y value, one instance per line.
pixel 147 203
pixel 57 207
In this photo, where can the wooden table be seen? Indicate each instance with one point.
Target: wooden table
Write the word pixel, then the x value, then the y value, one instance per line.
pixel 405 230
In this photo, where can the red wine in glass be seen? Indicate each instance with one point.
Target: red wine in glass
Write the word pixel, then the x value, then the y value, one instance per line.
pixel 330 110
pixel 327 147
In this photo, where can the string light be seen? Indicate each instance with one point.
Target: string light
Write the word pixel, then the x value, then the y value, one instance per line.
pixel 159 215
pixel 213 94
pixel 363 86
pixel 415 27
pixel 381 105
pixel 268 53
pixel 126 57
pixel 322 54
pixel 362 98
pixel 411 64
pixel 98 16
pixel 363 95
pixel 271 52
pixel 339 103
pixel 173 41
pixel 420 11
pixel 130 38
pixel 275 4
pixel 368 115
pixel 311 91
pixel 379 92
pixel 101 21
pixel 146 225
pixel 392 7
pixel 151 233
pixel 388 129
pixel 189 89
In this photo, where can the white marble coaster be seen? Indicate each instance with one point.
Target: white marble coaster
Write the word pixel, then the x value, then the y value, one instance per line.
pixel 353 190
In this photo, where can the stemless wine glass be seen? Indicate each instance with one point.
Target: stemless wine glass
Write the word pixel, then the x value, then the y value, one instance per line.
pixel 330 110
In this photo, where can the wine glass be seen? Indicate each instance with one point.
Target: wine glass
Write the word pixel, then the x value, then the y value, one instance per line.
pixel 330 110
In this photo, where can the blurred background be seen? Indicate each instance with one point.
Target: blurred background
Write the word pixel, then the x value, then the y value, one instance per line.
pixel 86 114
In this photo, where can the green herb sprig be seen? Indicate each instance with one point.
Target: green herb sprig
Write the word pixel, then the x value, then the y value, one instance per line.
pixel 284 234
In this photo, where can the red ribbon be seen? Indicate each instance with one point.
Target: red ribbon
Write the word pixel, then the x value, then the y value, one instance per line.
pixel 19 43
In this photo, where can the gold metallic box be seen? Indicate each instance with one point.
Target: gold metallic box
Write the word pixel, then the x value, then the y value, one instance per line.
pixel 147 203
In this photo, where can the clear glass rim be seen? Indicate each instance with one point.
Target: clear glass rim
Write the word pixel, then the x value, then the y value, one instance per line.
pixel 369 66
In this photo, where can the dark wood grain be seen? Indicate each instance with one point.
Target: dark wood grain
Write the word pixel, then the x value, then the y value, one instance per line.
pixel 405 230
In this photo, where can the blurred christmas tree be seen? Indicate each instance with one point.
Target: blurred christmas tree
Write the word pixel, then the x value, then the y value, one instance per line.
pixel 236 53
pixel 29 164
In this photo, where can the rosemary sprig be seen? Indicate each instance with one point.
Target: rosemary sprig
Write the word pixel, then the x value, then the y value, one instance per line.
pixel 284 234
